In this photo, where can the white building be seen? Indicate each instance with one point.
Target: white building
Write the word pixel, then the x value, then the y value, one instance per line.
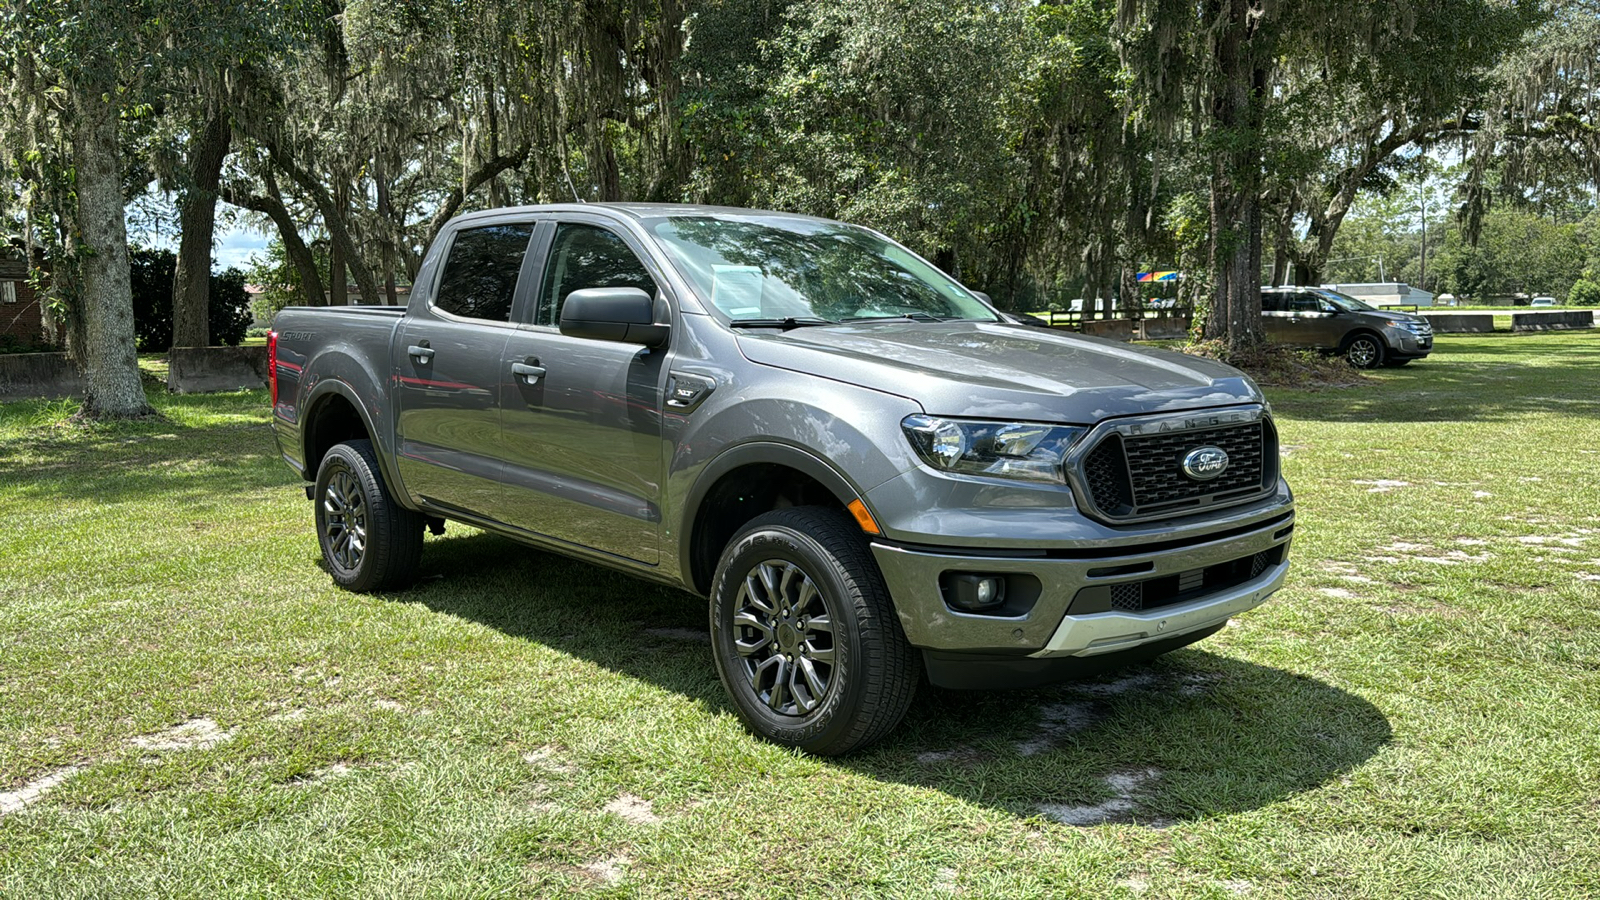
pixel 1385 293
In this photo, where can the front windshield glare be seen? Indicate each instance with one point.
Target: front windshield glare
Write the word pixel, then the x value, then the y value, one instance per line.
pixel 775 268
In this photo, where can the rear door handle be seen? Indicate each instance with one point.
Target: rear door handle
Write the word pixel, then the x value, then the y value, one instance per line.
pixel 420 353
pixel 531 371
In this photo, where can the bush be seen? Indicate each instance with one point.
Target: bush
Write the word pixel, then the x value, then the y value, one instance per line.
pixel 1584 293
pixel 152 272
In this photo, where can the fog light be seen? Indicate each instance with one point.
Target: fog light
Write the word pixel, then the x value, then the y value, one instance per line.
pixel 970 592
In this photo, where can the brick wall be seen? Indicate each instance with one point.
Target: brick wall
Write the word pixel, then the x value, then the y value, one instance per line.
pixel 24 319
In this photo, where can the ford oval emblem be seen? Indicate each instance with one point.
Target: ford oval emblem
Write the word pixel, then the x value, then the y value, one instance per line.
pixel 1205 463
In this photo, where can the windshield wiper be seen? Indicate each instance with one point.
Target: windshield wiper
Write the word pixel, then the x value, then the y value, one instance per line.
pixel 901 317
pixel 785 323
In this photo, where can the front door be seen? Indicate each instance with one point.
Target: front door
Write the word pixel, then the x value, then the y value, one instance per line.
pixel 582 418
pixel 448 372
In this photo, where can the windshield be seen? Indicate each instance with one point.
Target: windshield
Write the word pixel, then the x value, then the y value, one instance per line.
pixel 776 268
pixel 1344 301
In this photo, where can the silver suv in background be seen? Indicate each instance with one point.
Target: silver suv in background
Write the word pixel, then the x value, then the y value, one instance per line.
pixel 1323 319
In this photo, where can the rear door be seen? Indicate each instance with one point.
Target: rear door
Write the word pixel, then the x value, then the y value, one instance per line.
pixel 448 371
pixel 582 418
pixel 1276 318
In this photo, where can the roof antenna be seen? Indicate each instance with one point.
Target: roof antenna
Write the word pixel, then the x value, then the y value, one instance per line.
pixel 570 186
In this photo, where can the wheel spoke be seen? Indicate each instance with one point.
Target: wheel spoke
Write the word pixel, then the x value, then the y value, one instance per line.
pixel 808 593
pixel 775 699
pixel 755 594
pixel 825 655
pixel 784 578
pixel 819 623
pixel 808 668
pixel 746 619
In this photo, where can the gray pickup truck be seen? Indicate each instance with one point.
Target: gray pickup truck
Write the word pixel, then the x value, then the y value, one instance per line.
pixel 869 472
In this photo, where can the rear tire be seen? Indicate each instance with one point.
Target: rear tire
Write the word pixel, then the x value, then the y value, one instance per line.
pixel 1364 350
pixel 806 639
pixel 370 542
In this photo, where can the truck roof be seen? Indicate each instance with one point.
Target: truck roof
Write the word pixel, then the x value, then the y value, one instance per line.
pixel 636 210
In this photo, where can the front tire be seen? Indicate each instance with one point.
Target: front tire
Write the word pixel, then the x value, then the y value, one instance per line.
pixel 1364 351
pixel 805 636
pixel 370 542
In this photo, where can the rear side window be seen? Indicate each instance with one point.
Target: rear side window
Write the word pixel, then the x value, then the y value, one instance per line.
pixel 587 256
pixel 1272 301
pixel 480 275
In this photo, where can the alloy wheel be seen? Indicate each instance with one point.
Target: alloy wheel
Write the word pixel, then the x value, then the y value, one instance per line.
pixel 1363 353
pixel 344 506
pixel 783 633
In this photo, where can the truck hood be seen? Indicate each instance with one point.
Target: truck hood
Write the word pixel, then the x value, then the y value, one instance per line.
pixel 1002 371
pixel 1384 315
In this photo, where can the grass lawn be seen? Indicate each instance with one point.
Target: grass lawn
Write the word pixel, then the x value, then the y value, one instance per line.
pixel 188 707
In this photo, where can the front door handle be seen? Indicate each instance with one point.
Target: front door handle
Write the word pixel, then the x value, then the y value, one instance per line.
pixel 420 352
pixel 530 371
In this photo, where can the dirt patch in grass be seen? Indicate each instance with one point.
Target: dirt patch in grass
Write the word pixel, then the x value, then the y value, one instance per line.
pixel 1125 787
pixel 1279 367
pixel 195 734
pixel 30 793
pixel 633 810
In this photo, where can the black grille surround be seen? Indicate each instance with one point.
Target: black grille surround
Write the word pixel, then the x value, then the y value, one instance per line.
pixel 1133 472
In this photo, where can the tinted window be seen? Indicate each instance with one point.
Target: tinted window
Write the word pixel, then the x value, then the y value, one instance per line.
pixel 1305 303
pixel 480 275
pixel 1272 301
pixel 586 256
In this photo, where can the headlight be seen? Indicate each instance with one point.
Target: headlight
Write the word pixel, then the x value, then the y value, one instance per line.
pixel 1022 450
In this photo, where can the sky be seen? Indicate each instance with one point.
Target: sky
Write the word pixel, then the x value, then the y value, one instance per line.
pixel 153 222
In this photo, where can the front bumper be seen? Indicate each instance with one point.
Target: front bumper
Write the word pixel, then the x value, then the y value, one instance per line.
pixel 1049 618
pixel 1411 346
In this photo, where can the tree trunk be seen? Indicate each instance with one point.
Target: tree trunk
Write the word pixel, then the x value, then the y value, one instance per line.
pixel 338 262
pixel 386 251
pixel 300 256
pixel 1235 315
pixel 338 283
pixel 197 216
pixel 109 354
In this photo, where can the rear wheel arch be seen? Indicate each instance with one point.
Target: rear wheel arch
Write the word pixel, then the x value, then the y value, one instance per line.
pixel 335 414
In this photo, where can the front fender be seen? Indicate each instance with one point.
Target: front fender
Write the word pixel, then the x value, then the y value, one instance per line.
pixel 846 437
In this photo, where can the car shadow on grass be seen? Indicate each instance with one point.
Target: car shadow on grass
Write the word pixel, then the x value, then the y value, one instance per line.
pixel 1485 382
pixel 1191 735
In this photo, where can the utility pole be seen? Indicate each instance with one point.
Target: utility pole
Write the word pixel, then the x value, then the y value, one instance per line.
pixel 1422 269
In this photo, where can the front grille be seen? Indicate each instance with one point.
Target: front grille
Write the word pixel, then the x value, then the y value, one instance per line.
pixel 1170 590
pixel 1141 476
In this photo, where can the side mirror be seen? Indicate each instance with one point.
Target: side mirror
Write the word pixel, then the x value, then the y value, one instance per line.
pixel 622 314
pixel 982 296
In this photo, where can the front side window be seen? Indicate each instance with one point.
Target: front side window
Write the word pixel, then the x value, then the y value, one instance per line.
pixel 587 256
pixel 1305 303
pixel 759 267
pixel 480 275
